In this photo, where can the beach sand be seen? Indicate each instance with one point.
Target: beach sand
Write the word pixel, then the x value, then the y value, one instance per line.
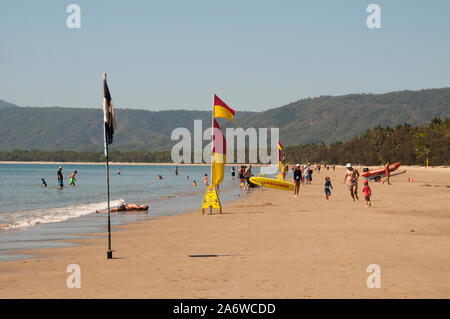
pixel 266 245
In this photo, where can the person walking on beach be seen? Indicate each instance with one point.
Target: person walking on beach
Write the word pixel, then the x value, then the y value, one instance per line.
pixel 233 173
pixel 327 187
pixel 386 171
pixel 307 173
pixel 60 178
pixel 367 193
pixel 247 175
pixel 284 170
pixel 43 183
pixel 297 179
pixel 72 178
pixel 206 180
pixel 351 178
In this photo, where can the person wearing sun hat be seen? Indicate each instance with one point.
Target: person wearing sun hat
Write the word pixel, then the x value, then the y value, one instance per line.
pixel 351 179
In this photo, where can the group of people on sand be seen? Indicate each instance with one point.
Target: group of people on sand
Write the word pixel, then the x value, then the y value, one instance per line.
pixel 244 173
pixel 303 174
pixel 60 179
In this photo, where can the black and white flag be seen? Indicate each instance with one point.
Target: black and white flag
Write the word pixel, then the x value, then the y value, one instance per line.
pixel 108 114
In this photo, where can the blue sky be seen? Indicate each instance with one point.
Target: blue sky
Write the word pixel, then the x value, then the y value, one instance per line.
pixel 255 54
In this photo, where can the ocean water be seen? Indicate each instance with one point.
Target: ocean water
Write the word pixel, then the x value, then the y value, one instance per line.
pixel 32 216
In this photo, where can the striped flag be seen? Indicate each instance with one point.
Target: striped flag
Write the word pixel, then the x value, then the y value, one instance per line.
pixel 221 110
pixel 108 114
pixel 280 148
pixel 219 155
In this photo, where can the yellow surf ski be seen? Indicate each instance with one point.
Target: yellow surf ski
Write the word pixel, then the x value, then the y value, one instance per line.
pixel 272 183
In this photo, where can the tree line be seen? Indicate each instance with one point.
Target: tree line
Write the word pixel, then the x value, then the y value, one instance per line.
pixel 403 143
pixel 410 145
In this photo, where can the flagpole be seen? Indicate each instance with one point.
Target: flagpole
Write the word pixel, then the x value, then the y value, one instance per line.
pixel 109 252
pixel 212 140
pixel 108 130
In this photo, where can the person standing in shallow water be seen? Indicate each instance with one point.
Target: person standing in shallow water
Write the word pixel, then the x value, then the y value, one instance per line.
pixel 206 180
pixel 72 178
pixel 176 170
pixel 60 178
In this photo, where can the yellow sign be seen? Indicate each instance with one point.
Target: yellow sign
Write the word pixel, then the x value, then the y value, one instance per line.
pixel 211 200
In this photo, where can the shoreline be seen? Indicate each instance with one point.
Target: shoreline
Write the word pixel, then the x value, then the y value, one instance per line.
pixel 267 244
pixel 166 205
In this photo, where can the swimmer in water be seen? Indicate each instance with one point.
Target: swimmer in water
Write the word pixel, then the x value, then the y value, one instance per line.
pixel 43 183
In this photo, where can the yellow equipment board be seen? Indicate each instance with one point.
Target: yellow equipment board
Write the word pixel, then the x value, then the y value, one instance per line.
pixel 211 200
pixel 272 183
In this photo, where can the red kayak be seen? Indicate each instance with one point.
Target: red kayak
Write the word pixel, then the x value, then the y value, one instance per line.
pixel 381 170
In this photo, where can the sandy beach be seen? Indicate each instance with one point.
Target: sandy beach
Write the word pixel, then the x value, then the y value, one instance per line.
pixel 267 244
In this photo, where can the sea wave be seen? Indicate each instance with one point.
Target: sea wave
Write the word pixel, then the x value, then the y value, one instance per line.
pixel 23 219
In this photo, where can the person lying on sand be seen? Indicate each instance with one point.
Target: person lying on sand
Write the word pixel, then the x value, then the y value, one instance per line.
pixel 125 207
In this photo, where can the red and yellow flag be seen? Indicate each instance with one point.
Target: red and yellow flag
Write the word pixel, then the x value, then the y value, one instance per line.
pixel 222 110
pixel 219 155
pixel 280 148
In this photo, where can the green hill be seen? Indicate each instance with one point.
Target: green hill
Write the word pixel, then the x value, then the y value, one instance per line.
pixel 324 119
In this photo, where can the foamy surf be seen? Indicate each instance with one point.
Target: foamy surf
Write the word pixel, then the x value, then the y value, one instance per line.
pixel 25 219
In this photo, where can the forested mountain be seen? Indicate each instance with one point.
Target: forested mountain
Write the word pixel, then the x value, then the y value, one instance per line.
pixel 324 119
pixel 6 104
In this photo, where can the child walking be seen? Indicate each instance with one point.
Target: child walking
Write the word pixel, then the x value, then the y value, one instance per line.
pixel 327 187
pixel 367 193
